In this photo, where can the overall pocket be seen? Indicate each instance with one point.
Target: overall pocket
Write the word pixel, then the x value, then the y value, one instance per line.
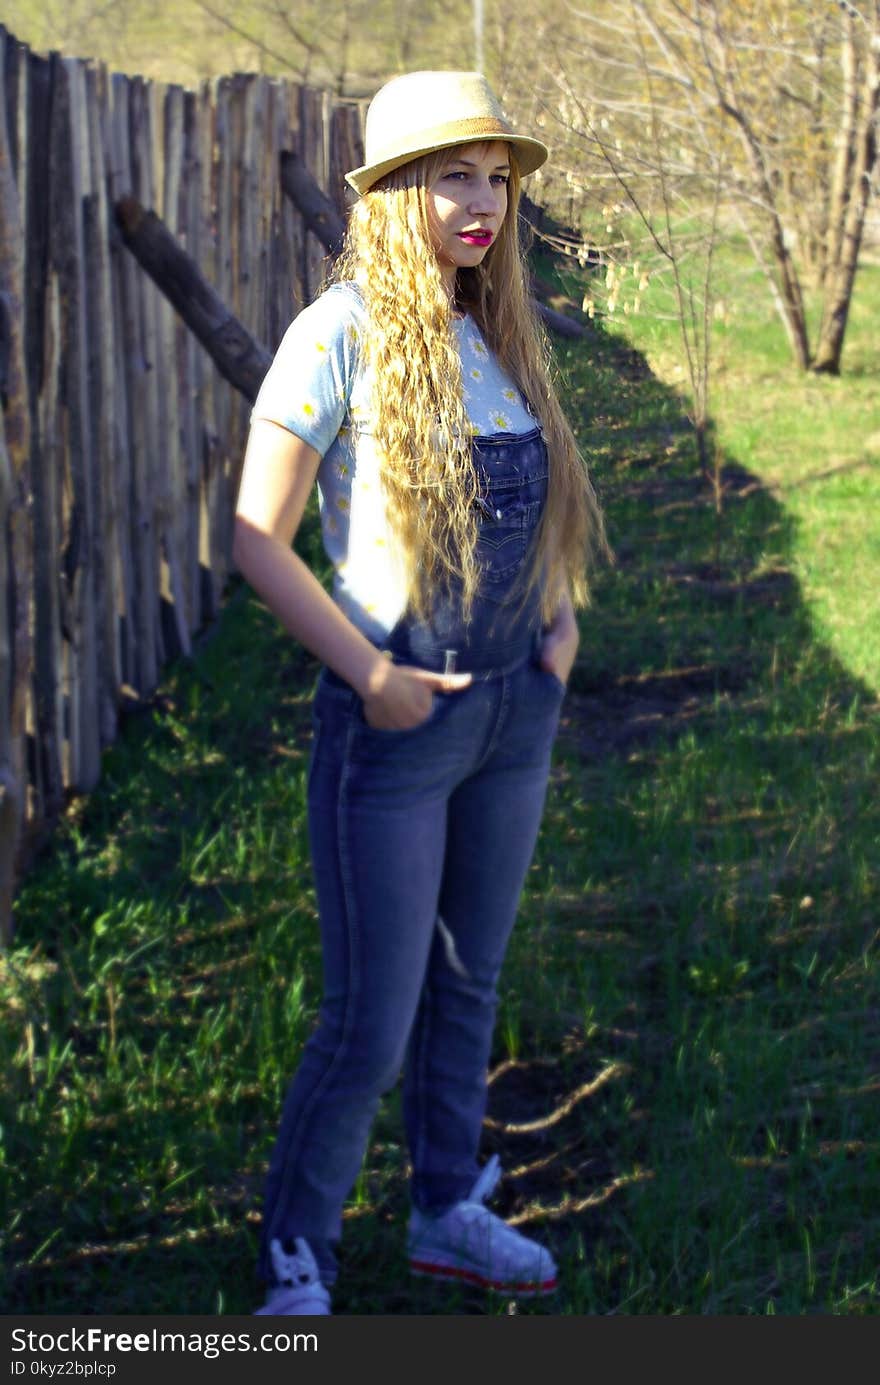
pixel 513 478
pixel 504 543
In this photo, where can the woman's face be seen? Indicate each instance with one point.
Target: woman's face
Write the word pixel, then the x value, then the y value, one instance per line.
pixel 467 202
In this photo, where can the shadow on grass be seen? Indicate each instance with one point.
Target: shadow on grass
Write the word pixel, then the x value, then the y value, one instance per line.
pixel 683 1093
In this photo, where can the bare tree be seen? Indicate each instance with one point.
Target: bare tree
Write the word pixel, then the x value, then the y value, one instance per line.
pixel 348 46
pixel 855 168
pixel 63 24
pixel 644 208
pixel 836 144
pixel 798 94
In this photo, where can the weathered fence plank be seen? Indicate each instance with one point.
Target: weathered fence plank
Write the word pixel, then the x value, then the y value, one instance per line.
pixel 311 150
pixel 102 409
pixel 46 469
pixel 16 542
pixel 209 453
pixel 188 220
pixel 154 465
pixel 145 517
pixel 41 329
pixel 125 356
pixel 13 783
pixel 71 180
pixel 224 284
pixel 172 533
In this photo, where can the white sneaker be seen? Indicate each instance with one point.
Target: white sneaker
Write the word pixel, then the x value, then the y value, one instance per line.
pixel 299 1288
pixel 471 1244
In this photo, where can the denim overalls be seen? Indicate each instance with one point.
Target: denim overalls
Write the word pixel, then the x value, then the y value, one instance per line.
pixel 421 840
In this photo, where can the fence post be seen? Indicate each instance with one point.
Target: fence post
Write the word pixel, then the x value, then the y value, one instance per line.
pixel 16 541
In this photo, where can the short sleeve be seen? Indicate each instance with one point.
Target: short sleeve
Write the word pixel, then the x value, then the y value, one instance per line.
pixel 308 386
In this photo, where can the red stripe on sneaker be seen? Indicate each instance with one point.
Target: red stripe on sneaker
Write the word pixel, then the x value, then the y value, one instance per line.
pixel 529 1286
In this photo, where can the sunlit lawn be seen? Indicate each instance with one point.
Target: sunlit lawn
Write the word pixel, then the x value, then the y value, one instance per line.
pixel 814 441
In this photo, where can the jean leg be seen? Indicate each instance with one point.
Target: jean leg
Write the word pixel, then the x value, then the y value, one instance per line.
pixel 493 823
pixel 377 864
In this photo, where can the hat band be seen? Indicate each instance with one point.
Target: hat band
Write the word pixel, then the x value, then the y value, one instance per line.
pixel 451 132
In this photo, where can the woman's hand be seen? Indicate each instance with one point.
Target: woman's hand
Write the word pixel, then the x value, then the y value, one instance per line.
pixel 402 696
pixel 560 642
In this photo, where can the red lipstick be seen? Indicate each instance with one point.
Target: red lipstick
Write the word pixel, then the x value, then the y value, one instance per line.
pixel 476 237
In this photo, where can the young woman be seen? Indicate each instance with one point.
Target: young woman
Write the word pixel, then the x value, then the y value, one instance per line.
pixel 460 521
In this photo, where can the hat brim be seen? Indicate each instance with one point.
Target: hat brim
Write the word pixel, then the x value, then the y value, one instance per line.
pixel 530 153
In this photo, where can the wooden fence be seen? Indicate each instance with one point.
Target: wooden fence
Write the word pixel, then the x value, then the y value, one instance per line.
pixel 120 443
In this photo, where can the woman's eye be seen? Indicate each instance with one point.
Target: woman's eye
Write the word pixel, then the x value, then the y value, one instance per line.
pixel 460 175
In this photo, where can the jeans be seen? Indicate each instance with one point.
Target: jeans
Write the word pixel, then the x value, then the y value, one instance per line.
pixel 421 840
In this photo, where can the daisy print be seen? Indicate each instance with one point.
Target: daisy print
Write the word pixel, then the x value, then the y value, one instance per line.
pixel 479 348
pixel 511 396
pixel 501 421
pixel 476 373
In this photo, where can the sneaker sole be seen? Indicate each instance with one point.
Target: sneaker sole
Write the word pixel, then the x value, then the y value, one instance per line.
pixel 315 1311
pixel 529 1288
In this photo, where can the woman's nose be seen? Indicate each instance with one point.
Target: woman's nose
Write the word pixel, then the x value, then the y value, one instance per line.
pixel 484 199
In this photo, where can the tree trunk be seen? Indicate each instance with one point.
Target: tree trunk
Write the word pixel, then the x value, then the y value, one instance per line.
pixel 790 299
pixel 857 160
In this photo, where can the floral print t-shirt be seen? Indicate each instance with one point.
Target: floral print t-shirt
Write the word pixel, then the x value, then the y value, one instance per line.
pixel 315 388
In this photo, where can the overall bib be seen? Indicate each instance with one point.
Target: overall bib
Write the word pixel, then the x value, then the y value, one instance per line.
pixel 421 840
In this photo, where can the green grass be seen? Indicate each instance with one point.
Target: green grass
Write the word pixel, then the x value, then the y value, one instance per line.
pixel 813 441
pixel 684 1086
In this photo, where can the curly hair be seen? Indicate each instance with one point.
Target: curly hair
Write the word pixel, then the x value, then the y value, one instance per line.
pixel 419 420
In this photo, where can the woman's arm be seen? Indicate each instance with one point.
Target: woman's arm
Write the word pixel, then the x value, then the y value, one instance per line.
pixel 278 474
pixel 561 638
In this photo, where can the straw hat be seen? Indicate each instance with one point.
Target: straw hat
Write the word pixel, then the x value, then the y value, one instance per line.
pixel 423 111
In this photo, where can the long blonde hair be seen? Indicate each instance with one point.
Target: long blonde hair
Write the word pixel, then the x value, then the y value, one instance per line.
pixel 419 420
